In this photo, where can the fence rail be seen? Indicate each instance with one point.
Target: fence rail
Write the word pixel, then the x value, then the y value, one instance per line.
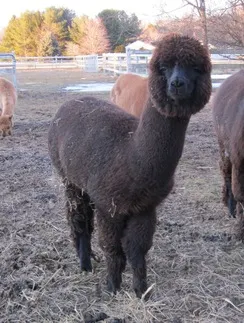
pixel 8 65
pixel 116 63
pixel 108 61
pixel 83 62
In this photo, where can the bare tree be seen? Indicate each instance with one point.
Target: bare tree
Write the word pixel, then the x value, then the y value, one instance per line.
pixel 227 25
pixel 72 49
pixel 187 25
pixel 200 7
pixel 95 40
pixel 150 33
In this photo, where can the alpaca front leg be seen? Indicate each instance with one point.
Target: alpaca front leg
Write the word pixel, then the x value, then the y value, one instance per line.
pixel 80 219
pixel 136 242
pixel 110 232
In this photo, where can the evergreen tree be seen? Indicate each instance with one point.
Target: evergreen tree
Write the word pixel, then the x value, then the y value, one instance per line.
pixel 77 29
pixel 121 28
pixel 22 34
pixel 48 45
pixel 57 21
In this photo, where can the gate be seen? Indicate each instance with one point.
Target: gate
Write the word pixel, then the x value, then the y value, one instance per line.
pixel 8 66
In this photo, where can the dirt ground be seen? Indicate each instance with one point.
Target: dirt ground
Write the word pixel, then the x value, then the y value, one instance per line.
pixel 195 267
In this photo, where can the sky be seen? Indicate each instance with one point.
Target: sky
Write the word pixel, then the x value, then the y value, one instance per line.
pixel 145 10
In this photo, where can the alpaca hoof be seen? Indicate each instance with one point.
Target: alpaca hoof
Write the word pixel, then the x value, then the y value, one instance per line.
pixel 85 261
pixel 232 207
pixel 139 293
pixel 86 265
pixel 112 287
pixel 140 290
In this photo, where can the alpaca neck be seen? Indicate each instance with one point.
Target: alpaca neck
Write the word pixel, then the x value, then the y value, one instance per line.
pixel 159 142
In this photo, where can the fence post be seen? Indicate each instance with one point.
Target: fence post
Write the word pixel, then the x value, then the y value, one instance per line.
pixel 128 60
pixel 8 66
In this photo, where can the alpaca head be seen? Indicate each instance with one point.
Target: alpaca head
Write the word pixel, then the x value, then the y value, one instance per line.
pixel 180 76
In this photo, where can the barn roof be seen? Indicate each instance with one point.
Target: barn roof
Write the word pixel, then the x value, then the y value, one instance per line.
pixel 138 44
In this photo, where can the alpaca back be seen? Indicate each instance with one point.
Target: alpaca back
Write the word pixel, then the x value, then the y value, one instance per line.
pixel 8 97
pixel 130 93
pixel 228 112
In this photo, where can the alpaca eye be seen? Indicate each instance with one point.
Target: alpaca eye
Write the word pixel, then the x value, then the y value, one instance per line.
pixel 197 69
pixel 162 68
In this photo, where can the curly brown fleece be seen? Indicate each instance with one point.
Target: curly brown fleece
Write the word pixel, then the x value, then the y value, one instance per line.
pixel 228 115
pixel 124 166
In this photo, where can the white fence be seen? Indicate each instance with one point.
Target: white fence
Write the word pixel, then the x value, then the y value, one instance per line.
pixel 109 62
pixel 116 63
pixel 8 65
pixel 86 62
pixel 120 63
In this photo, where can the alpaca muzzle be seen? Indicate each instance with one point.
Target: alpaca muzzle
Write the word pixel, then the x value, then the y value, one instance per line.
pixel 179 86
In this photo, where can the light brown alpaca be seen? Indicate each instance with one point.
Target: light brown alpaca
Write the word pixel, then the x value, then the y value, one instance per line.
pixel 8 98
pixel 6 125
pixel 130 92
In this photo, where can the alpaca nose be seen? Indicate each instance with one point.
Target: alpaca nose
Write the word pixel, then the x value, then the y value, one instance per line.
pixel 177 83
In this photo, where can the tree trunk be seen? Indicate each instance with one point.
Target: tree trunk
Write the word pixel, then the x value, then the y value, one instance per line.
pixel 202 13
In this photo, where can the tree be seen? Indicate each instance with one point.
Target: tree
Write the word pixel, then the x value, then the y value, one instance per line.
pixel 22 34
pixel 72 49
pixel 121 28
pixel 199 5
pixel 187 25
pixel 227 25
pixel 95 40
pixel 68 16
pixel 1 34
pixel 57 21
pixel 77 29
pixel 150 33
pixel 48 45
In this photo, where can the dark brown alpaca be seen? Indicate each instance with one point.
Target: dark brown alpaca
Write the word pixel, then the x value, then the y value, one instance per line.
pixel 228 114
pixel 124 166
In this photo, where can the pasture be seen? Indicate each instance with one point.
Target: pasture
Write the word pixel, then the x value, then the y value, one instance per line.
pixel 195 267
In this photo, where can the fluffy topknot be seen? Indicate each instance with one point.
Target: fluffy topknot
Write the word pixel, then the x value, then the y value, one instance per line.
pixel 184 51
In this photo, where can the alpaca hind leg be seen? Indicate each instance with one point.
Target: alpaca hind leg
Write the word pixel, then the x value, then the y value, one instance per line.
pixel 80 218
pixel 231 202
pixel 228 197
pixel 110 232
pixel 238 192
pixel 137 240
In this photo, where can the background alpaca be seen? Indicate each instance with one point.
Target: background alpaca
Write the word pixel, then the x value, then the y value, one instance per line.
pixel 124 166
pixel 130 92
pixel 6 125
pixel 8 98
pixel 228 115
